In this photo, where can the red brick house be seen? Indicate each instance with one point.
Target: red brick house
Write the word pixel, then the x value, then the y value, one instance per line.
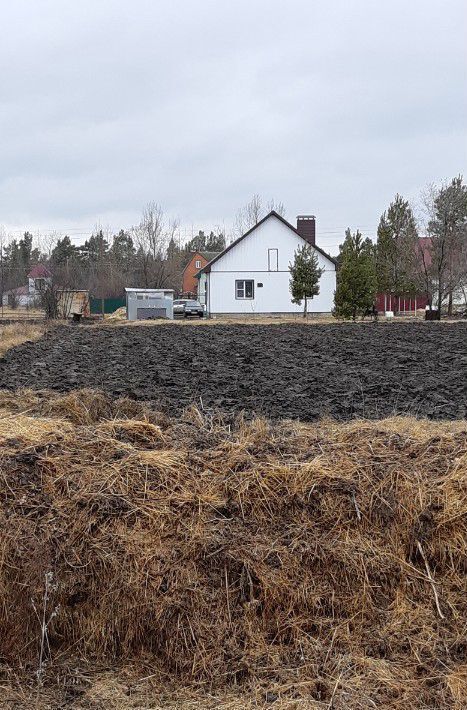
pixel 198 261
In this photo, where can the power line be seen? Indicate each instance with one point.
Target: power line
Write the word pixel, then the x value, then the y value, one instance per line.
pixel 83 231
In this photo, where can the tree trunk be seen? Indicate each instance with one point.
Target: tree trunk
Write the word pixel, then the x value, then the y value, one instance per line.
pixel 440 298
pixel 450 304
pixel 305 308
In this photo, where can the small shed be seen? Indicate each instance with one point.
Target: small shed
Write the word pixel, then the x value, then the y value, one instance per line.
pixel 149 303
pixel 73 302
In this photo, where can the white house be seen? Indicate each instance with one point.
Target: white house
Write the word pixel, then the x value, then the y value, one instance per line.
pixel 39 278
pixel 251 276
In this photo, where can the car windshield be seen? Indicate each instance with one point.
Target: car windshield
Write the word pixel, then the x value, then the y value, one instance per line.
pixel 193 303
pixel 179 303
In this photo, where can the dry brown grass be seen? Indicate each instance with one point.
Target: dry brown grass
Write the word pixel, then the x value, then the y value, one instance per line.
pixel 118 319
pixel 18 333
pixel 219 562
pixel 21 313
pixel 211 322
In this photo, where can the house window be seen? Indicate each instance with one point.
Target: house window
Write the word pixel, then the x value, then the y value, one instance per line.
pixel 197 264
pixel 244 289
pixel 273 260
pixel 39 284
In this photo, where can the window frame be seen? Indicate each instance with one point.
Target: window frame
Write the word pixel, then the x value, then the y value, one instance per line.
pixel 276 259
pixel 244 282
pixel 197 263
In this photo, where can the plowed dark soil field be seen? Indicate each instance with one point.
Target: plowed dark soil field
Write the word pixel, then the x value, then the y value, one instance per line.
pixel 289 370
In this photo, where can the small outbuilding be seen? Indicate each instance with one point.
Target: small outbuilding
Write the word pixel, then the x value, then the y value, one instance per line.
pixel 149 303
pixel 73 303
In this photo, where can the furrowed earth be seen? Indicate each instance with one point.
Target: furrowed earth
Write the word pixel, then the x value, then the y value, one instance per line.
pixel 281 371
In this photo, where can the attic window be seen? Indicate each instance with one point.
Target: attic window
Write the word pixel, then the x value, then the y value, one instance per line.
pixel 197 264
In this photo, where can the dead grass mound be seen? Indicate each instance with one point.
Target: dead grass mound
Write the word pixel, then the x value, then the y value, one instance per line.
pixel 118 315
pixel 325 563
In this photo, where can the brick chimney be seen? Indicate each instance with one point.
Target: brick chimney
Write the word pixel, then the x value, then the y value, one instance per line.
pixel 306 227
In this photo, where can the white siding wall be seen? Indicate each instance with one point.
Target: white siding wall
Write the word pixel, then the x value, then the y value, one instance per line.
pixel 23 300
pixel 202 289
pixel 249 260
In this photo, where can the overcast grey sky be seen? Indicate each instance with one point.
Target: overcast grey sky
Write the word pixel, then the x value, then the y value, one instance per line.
pixel 329 106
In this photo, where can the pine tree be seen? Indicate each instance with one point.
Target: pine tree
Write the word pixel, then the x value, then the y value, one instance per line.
pixel 18 258
pixel 96 247
pixel 215 242
pixel 357 282
pixel 197 243
pixel 173 250
pixel 305 274
pixel 396 249
pixel 25 248
pixel 123 249
pixel 64 251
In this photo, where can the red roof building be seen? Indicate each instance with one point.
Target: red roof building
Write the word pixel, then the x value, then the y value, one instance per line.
pixel 39 271
pixel 198 261
pixel 407 304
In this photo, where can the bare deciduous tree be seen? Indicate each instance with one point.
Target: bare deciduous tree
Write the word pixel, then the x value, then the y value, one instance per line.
pixel 151 229
pixel 56 300
pixel 157 266
pixel 447 226
pixel 46 242
pixel 251 213
pixel 276 207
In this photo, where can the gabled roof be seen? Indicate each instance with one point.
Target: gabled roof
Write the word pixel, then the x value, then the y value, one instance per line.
pixel 208 255
pixel 19 291
pixel 39 271
pixel 273 213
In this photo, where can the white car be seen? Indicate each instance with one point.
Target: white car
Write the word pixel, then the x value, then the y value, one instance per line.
pixel 179 306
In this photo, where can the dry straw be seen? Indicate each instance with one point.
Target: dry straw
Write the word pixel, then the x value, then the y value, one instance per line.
pixel 324 563
pixel 18 333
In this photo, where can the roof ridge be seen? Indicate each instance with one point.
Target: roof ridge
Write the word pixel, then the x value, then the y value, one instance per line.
pixel 272 213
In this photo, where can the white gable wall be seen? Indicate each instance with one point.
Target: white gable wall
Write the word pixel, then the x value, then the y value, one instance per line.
pixel 249 260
